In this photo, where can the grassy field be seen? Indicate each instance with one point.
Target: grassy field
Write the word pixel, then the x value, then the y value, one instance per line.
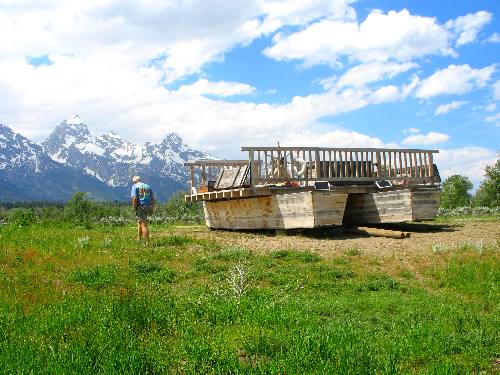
pixel 95 301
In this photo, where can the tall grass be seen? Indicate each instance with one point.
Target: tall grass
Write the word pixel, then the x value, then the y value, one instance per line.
pixel 186 305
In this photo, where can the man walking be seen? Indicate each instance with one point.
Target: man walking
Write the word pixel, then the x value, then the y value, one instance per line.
pixel 143 201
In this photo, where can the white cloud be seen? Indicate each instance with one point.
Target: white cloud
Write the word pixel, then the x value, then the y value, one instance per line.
pixel 496 90
pixel 363 74
pixel 430 138
pixel 467 27
pixel 455 79
pixel 493 38
pixel 152 28
pixel 494 118
pixel 380 37
pixel 221 89
pixel 120 95
pixel 490 107
pixel 411 131
pixel 468 161
pixel 445 108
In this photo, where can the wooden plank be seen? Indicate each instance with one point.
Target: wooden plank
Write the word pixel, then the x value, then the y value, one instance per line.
pixel 382 207
pixel 228 178
pixel 328 208
pixel 425 204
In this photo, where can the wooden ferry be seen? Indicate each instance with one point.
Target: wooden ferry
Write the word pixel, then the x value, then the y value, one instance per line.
pixel 308 187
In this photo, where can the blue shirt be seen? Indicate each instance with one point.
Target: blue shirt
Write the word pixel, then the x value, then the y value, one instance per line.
pixel 143 193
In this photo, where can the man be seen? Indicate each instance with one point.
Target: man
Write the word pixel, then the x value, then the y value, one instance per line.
pixel 143 201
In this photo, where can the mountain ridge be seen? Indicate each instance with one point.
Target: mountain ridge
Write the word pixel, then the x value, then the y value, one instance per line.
pixel 99 165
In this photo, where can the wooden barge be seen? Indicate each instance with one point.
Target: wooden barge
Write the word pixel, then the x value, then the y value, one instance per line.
pixel 308 187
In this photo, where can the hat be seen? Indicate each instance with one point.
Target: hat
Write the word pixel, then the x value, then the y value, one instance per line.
pixel 136 179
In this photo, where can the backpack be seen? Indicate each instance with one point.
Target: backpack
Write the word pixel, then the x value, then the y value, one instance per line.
pixel 144 194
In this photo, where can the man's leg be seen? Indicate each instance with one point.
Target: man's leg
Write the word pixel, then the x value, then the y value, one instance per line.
pixel 145 231
pixel 139 230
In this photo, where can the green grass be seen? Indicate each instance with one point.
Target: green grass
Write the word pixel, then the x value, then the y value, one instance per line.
pixel 94 301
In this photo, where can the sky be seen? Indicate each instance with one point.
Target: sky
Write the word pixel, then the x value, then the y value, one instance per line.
pixel 225 74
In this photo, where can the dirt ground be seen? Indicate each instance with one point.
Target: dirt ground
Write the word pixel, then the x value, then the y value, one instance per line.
pixel 425 238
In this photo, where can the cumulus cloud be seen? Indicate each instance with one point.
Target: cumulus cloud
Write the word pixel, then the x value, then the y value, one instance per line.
pixel 152 29
pixel 430 138
pixel 467 27
pixel 445 108
pixel 380 37
pixel 119 95
pixel 455 79
pixel 468 161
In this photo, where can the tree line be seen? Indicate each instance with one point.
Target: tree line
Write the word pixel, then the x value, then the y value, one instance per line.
pixel 80 211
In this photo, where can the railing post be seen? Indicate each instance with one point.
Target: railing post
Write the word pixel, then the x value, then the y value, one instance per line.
pixel 431 168
pixel 317 165
pixel 379 166
pixel 203 176
pixel 252 169
pixel 192 179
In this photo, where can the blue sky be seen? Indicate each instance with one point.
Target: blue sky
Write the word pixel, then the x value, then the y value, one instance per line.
pixel 336 73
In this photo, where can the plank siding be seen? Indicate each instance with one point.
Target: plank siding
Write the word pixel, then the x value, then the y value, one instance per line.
pixel 306 209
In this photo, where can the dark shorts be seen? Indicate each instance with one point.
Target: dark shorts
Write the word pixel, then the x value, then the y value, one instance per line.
pixel 142 212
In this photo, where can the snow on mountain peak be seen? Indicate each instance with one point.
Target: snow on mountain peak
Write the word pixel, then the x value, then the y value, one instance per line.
pixel 73 120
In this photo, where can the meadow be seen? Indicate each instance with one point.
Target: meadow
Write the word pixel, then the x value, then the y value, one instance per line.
pixel 78 300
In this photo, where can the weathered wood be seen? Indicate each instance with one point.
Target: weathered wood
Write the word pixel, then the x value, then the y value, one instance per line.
pixel 392 206
pixel 306 209
pixel 376 232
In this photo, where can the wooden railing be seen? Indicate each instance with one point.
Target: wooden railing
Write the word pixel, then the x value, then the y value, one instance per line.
pixel 203 171
pixel 305 164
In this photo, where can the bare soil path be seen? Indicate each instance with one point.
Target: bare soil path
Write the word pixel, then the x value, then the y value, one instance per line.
pixel 425 239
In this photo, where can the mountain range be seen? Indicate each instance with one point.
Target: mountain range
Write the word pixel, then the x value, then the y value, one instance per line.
pixel 71 159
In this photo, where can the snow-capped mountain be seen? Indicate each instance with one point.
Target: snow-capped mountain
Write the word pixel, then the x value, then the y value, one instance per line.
pixel 72 159
pixel 27 173
pixel 113 159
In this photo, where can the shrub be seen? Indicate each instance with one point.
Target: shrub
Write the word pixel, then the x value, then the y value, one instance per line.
pixel 24 217
pixel 77 210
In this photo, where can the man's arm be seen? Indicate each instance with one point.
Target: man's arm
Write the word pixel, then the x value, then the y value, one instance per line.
pixel 133 197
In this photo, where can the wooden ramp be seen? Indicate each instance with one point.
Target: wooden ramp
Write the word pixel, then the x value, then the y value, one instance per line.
pixel 305 209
